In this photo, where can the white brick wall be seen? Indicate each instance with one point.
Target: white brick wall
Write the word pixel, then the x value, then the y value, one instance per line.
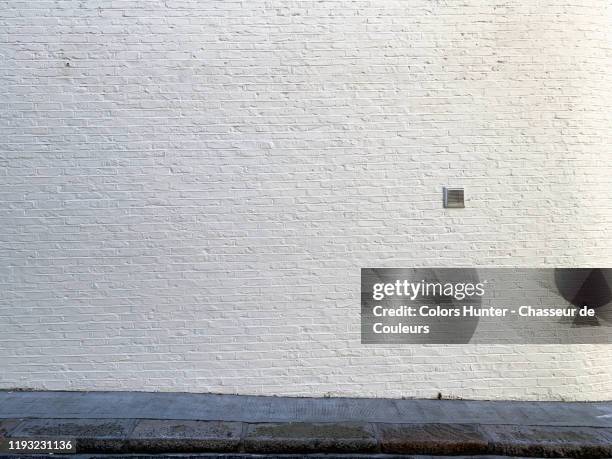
pixel 188 188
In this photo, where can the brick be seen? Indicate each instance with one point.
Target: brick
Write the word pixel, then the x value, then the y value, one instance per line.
pixel 205 179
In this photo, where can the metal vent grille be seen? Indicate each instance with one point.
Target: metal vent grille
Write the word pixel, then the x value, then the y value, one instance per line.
pixel 454 198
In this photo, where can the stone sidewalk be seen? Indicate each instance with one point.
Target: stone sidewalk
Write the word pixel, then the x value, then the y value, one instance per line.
pixel 170 423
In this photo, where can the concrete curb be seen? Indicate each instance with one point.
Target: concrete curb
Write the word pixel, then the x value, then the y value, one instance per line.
pixel 104 436
pixel 251 456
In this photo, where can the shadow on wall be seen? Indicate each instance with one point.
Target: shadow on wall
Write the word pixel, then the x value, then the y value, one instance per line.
pixel 586 287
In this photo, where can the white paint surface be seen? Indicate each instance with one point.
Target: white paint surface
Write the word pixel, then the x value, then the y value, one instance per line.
pixel 188 189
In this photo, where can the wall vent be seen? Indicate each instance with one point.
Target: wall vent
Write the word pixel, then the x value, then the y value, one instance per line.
pixel 454 198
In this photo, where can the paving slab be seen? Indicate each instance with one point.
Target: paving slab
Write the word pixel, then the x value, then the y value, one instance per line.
pixel 159 436
pixel 546 441
pixel 95 435
pixel 438 439
pixel 254 409
pixel 310 438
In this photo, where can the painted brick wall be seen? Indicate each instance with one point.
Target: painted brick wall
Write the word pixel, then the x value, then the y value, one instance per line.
pixel 189 188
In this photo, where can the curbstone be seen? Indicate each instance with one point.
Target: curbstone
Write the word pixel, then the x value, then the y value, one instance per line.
pixel 104 436
pixel 310 438
pixel 185 436
pixel 260 456
pixel 437 439
pixel 8 425
pixel 91 435
pixel 577 442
